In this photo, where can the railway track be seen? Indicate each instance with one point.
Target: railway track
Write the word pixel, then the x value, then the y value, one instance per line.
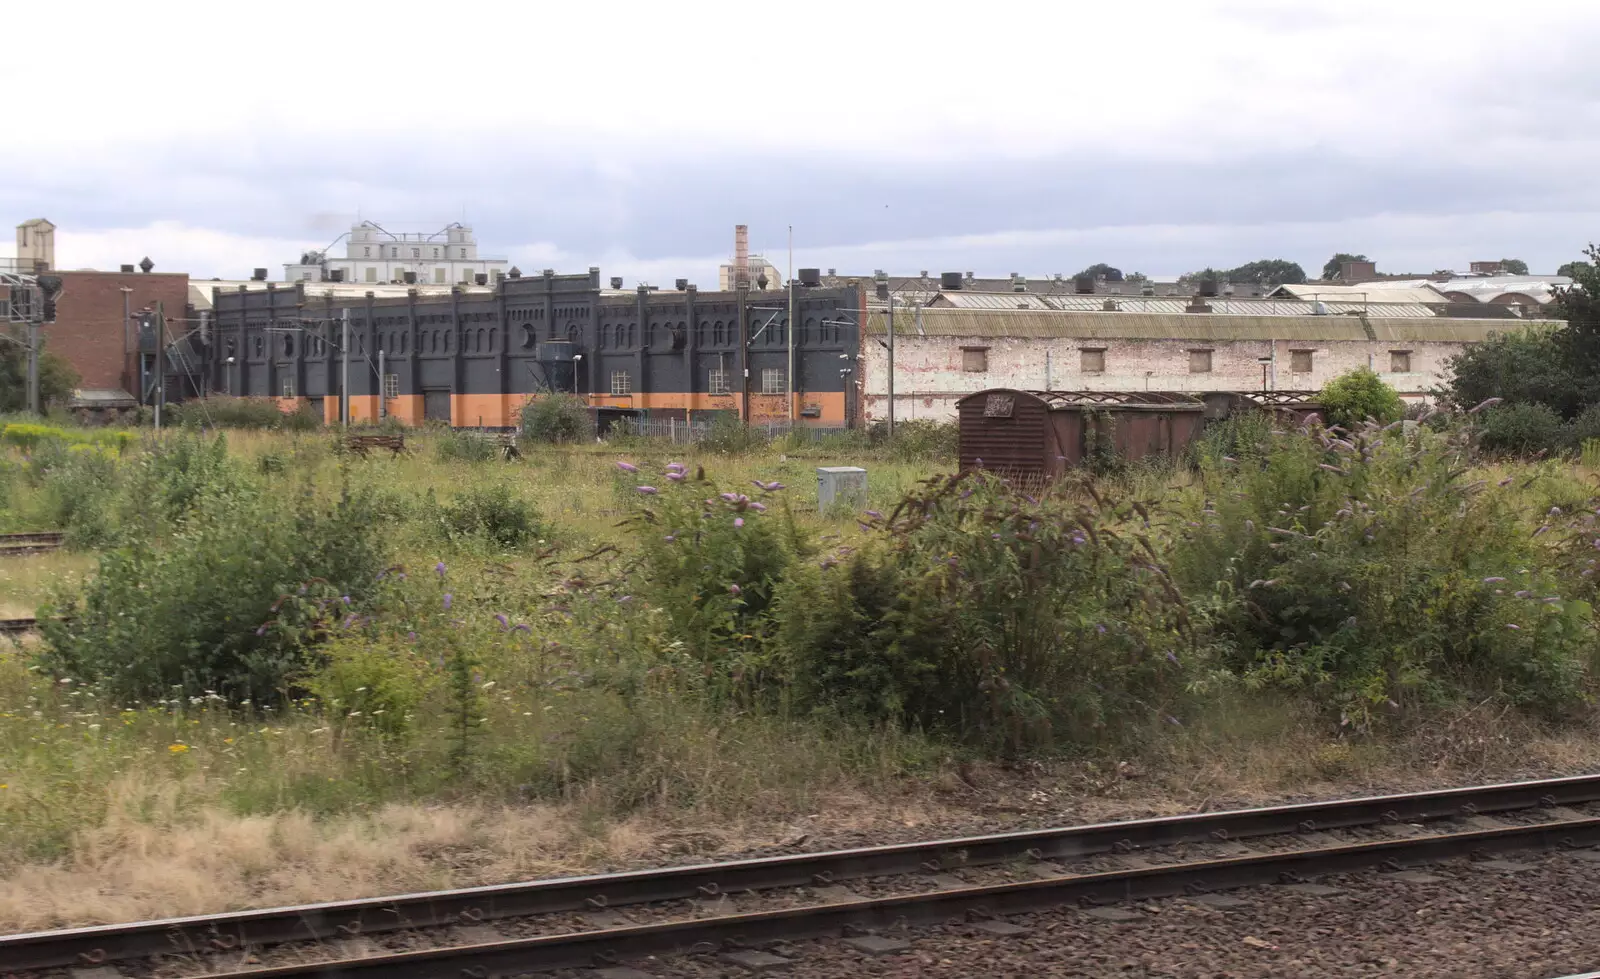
pixel 37 542
pixel 573 922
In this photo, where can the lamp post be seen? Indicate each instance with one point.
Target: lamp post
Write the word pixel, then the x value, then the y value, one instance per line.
pixel 1265 363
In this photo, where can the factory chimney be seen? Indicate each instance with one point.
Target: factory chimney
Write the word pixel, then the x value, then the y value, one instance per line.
pixel 741 256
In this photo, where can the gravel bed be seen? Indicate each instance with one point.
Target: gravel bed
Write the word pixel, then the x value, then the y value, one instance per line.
pixel 1467 924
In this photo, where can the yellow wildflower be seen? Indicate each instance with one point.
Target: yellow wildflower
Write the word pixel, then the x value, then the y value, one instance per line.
pixel 177 749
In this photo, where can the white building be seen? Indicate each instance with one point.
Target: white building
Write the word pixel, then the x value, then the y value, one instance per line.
pixel 944 354
pixel 373 255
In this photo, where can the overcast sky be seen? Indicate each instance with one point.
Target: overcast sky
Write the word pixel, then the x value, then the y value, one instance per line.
pixel 1026 137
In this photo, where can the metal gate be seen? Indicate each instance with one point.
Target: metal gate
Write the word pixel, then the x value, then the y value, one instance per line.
pixel 436 406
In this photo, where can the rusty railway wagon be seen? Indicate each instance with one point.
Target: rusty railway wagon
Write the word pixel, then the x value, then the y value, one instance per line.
pixel 1041 434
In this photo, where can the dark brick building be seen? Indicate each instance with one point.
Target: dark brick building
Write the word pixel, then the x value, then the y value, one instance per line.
pixel 474 357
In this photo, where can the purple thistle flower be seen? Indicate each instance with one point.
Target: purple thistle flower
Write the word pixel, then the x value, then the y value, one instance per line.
pixel 647 490
pixel 627 467
pixel 676 467
pixel 1513 625
pixel 1172 657
pixel 738 522
pixel 730 497
pixel 1174 721
pixel 447 599
pixel 263 630
pixel 505 623
pixel 1100 628
pixel 350 620
pixel 758 506
pixel 676 477
pixel 670 538
pixel 733 589
pixel 345 599
pixel 874 514
pixel 439 568
pixel 411 636
pixel 1492 581
pixel 1506 481
pixel 1523 594
pixel 520 627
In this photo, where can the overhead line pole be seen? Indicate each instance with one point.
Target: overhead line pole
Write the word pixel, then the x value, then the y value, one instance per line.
pixel 794 388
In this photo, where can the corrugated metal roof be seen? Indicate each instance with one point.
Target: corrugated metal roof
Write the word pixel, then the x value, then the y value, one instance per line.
pixel 1120 326
pixel 1378 292
pixel 1155 304
pixel 1540 288
pixel 200 289
pixel 1035 323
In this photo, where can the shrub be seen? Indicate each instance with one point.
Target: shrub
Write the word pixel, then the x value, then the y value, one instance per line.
pixel 556 419
pixel 729 435
pixel 712 562
pixel 465 445
pixel 1370 576
pixel 220 411
pixel 1529 366
pixel 991 615
pixel 1357 396
pixel 918 439
pixel 201 614
pixel 1522 430
pixel 493 514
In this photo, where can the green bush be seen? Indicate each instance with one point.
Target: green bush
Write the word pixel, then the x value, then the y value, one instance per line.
pixel 556 419
pixel 1357 396
pixel 220 411
pixel 1522 430
pixel 465 445
pixel 1369 575
pixel 211 611
pixel 729 435
pixel 712 561
pixel 494 515
pixel 993 616
pixel 918 440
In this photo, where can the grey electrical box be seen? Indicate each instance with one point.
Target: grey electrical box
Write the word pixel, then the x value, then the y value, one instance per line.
pixel 841 486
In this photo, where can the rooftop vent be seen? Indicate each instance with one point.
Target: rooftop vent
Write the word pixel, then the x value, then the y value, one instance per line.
pixel 810 277
pixel 833 272
pixel 1109 306
pixel 126 270
pixel 515 273
pixel 411 277
pixel 256 275
pixel 950 280
pixel 616 282
pixel 680 284
pixel 1019 283
pixel 145 265
pixel 1208 287
pixel 336 275
pixel 1083 285
pixel 482 278
pixel 923 273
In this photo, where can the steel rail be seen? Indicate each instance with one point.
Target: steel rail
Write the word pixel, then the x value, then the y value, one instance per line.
pixel 33 542
pixel 18 625
pixel 608 946
pixel 334 920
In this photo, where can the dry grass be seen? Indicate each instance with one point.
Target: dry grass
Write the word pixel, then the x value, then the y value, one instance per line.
pixel 24 581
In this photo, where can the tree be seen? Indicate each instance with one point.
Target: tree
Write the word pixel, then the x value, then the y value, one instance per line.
pixel 1355 396
pixel 1513 266
pixel 1137 278
pixel 1570 270
pixel 1101 270
pixel 1268 271
pixel 1527 366
pixel 1330 271
pixel 57 379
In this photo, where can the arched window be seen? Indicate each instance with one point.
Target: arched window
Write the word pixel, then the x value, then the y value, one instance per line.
pixel 433 342
pixel 783 331
pixel 528 336
pixel 716 334
pixel 258 346
pixel 481 337
pixel 700 333
pixel 633 340
pixel 494 339
pixel 403 336
pixel 361 345
pixel 809 334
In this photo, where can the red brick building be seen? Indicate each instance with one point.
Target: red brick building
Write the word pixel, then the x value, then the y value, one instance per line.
pixel 94 329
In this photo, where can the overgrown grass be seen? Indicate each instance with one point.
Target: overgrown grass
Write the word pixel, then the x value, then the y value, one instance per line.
pixel 489 633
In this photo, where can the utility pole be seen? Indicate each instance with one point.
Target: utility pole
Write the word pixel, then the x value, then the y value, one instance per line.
pixel 743 293
pixel 33 365
pixel 344 383
pixel 891 365
pixel 383 392
pixel 161 361
pixel 794 324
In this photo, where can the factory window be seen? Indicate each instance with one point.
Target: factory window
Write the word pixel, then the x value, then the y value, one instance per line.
pixel 783 330
pixel 621 383
pixel 1300 361
pixel 372 273
pixel 288 345
pixel 632 336
pixel 288 387
pixel 416 253
pixel 391 385
pixel 1400 361
pixel 433 344
pixel 717 333
pixel 772 380
pixel 494 339
pixel 718 382
pixel 305 276
pixel 463 253
pixel 366 252
pixel 436 253
pixel 975 360
pixel 478 343
pixel 258 346
pixel 1092 361
pixel 1199 361
pixel 438 276
pixel 404 340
